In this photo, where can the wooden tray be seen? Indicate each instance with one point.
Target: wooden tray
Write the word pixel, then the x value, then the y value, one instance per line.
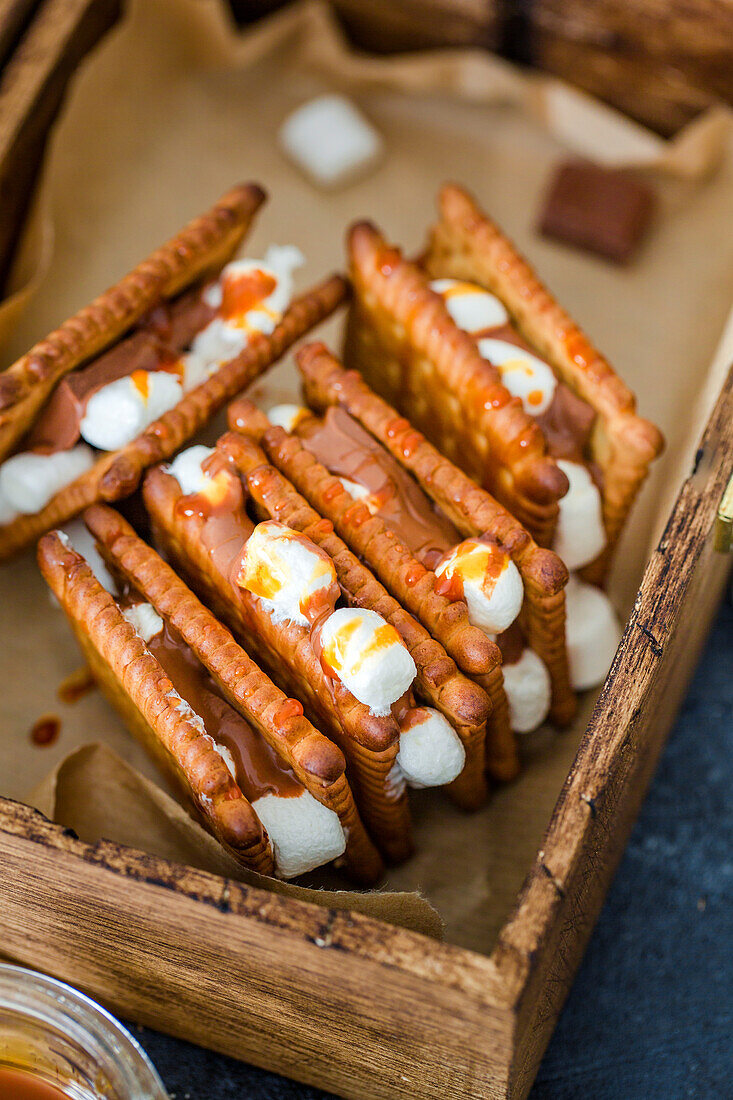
pixel 337 999
pixel 346 1002
pixel 56 36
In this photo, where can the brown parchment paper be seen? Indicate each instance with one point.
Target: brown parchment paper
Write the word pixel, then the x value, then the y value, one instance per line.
pixel 171 110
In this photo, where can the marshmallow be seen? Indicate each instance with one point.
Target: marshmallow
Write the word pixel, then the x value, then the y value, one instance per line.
pixel 592 632
pixel 286 571
pixel 29 480
pixel 472 308
pixel 359 492
pixel 303 832
pixel 286 416
pixel 119 411
pixel 226 336
pixel 79 538
pixel 580 535
pixel 215 344
pixel 144 619
pixel 491 583
pixel 528 690
pixel 523 374
pixel 187 469
pixel 368 656
pixel 431 752
pixel 263 314
pixel 330 140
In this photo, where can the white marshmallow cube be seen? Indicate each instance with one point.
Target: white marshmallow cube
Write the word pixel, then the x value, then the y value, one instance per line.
pixel 144 619
pixel 523 374
pixel 368 656
pixel 493 602
pixel 286 416
pixel 528 690
pixel 580 534
pixel 187 469
pixel 286 571
pixel 304 833
pixel 119 411
pixel 472 308
pixel 431 753
pixel 592 632
pixel 329 139
pixel 29 480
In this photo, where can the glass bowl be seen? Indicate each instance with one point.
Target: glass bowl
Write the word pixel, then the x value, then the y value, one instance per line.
pixel 63 1038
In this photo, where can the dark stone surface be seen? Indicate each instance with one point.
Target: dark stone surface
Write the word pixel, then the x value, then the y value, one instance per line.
pixel 651 1012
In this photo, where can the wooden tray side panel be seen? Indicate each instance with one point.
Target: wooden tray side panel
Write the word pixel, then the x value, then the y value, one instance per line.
pixel 331 998
pixel 564 892
pixel 31 93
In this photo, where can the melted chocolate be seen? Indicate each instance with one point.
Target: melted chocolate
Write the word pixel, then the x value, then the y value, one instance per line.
pixel 340 444
pixel 176 323
pixel 567 424
pixel 57 428
pixel 258 768
pixel 156 344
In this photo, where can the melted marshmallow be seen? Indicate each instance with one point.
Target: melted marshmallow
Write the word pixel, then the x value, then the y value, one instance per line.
pixel 523 374
pixel 368 656
pixel 360 492
pixel 592 632
pixel 528 690
pixel 472 308
pixel 303 832
pixel 187 469
pixel 145 620
pixel 286 571
pixel 29 480
pixel 224 338
pixel 287 416
pixel 431 753
pixel 119 411
pixel 491 583
pixel 580 535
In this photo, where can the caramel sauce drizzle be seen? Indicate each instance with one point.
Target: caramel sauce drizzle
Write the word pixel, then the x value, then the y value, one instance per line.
pixel 46 730
pixel 241 293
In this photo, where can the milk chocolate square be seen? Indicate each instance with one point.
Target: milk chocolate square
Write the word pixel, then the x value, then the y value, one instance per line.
pixel 598 209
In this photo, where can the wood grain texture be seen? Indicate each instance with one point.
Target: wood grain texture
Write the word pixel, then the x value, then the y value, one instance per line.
pixel 660 61
pixel 31 92
pixel 564 891
pixel 15 16
pixel 332 998
pixel 386 26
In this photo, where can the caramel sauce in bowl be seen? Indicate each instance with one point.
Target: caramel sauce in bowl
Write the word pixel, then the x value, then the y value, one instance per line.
pixel 57 1044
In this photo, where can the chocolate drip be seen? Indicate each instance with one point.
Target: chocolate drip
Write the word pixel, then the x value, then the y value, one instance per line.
pixel 340 444
pixel 259 771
